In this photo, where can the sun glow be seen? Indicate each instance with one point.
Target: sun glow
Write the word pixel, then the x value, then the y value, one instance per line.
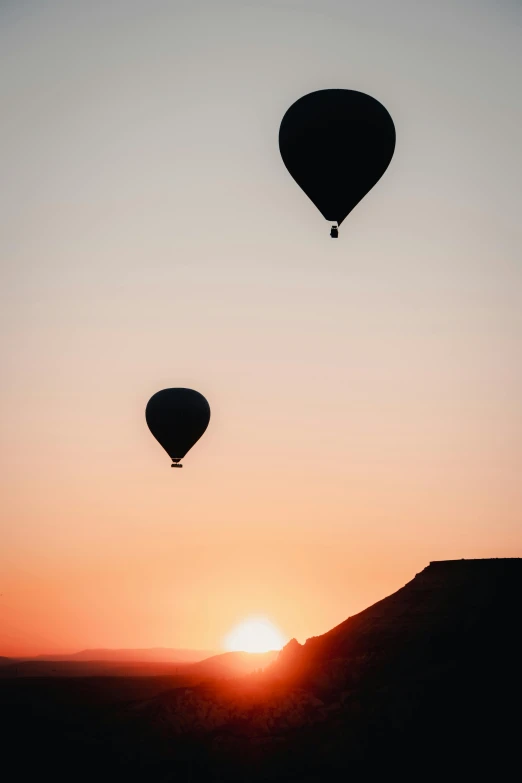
pixel 255 635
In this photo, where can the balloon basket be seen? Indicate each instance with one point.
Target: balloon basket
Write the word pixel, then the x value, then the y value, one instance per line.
pixel 334 232
pixel 176 465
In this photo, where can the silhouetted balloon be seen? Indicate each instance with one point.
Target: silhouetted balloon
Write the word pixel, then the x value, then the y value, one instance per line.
pixel 177 418
pixel 336 144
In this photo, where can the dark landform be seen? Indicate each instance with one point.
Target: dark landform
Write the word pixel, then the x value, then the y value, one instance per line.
pixel 425 684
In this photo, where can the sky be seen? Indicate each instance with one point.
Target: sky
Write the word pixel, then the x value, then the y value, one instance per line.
pixel 365 392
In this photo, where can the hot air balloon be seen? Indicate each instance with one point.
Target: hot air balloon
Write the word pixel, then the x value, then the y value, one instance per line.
pixel 336 144
pixel 177 418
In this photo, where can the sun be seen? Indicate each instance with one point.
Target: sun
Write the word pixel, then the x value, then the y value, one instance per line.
pixel 255 635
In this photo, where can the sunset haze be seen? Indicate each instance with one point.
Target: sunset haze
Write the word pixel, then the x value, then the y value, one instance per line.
pixel 365 392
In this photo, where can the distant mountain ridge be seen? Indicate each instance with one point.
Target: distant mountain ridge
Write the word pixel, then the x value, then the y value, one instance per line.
pixel 222 666
pixel 234 664
pixel 153 654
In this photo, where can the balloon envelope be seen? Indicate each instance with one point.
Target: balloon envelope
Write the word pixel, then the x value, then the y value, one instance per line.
pixel 177 418
pixel 336 144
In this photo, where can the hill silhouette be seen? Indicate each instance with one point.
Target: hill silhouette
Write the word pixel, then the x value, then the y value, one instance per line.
pixel 152 654
pixel 224 665
pixel 234 664
pixel 424 683
pixel 432 621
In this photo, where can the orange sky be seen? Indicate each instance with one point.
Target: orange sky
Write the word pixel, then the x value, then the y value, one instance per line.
pixel 365 393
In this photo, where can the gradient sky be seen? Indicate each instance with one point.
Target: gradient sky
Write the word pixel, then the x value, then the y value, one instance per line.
pixel 365 393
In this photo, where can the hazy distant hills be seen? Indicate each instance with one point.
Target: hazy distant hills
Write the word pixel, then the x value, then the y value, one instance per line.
pixel 225 665
pixel 234 664
pixel 425 683
pixel 156 654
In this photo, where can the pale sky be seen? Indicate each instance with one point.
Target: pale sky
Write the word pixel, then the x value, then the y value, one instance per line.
pixel 365 392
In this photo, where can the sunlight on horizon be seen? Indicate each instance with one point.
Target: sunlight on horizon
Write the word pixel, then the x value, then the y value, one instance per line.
pixel 255 635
